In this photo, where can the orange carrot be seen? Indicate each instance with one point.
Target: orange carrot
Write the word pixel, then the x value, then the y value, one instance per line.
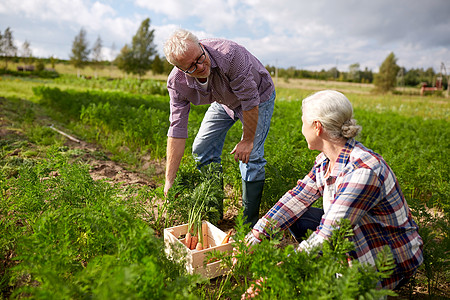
pixel 187 241
pixel 199 246
pixel 227 238
pixel 194 241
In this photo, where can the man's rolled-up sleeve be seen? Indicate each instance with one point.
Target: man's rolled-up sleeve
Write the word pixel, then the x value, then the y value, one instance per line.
pixel 243 81
pixel 179 116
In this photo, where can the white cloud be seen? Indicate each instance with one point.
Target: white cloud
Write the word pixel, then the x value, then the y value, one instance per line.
pixel 300 33
pixel 212 15
pixel 59 21
pixel 173 9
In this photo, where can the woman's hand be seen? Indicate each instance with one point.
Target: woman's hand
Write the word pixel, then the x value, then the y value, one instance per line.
pixel 251 239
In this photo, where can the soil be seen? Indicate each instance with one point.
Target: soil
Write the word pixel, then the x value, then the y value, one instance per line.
pixel 111 171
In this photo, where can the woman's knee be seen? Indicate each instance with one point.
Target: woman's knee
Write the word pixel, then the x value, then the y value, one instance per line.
pixel 308 221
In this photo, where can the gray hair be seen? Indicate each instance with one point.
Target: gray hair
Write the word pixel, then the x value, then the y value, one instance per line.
pixel 176 45
pixel 334 111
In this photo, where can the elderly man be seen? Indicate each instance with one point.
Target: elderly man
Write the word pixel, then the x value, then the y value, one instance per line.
pixel 225 75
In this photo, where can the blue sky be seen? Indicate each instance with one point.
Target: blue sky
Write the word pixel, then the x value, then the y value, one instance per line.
pixel 312 35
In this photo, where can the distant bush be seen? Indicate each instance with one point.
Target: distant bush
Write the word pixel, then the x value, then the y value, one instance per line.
pixel 36 73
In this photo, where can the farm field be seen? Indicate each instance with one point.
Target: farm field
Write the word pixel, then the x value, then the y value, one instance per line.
pixel 83 217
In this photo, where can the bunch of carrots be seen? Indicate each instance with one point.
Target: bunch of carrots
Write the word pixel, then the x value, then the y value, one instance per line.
pixel 197 233
pixel 194 237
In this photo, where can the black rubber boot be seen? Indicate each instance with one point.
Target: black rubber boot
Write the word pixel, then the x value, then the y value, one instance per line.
pixel 251 200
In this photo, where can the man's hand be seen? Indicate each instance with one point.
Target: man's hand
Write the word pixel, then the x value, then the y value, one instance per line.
pixel 242 151
pixel 245 146
pixel 167 187
pixel 175 151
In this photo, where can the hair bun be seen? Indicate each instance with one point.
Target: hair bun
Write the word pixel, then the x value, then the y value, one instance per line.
pixel 350 129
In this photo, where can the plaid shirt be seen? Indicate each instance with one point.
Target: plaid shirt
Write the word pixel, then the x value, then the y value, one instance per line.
pixel 368 194
pixel 238 81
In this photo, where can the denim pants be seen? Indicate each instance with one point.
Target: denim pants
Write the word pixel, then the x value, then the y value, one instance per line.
pixel 210 139
pixel 309 220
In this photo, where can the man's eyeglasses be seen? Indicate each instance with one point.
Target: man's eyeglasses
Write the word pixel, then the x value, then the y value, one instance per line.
pixel 199 61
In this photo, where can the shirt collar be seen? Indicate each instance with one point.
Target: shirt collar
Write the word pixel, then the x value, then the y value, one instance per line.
pixel 342 159
pixel 344 156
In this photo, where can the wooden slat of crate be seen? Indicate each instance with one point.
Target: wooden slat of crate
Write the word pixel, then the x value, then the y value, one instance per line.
pixel 195 258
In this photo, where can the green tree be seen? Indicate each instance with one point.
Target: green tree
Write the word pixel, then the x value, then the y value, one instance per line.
pixel 52 62
pixel 97 55
pixel 7 47
pixel 354 74
pixel 80 51
pixel 158 65
pixel 27 54
pixel 332 73
pixel 429 76
pixel 386 79
pixel 40 65
pixel 366 76
pixel 123 60
pixel 137 59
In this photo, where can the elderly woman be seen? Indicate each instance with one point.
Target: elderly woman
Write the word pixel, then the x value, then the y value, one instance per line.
pixel 355 184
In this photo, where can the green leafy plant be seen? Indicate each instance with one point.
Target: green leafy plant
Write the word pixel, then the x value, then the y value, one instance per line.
pixel 74 237
pixel 286 273
pixel 411 134
pixel 193 187
pixel 434 231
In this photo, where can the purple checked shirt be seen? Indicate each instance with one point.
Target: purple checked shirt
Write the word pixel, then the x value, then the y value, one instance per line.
pixel 238 81
pixel 368 194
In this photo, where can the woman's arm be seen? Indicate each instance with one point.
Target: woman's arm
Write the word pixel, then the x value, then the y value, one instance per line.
pixel 291 206
pixel 357 193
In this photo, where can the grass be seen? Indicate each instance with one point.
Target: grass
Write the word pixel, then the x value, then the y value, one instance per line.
pixel 410 105
pixel 410 131
pixel 104 72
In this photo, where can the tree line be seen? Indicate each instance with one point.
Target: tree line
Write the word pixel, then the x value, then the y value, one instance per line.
pixel 390 71
pixel 141 56
pixel 138 57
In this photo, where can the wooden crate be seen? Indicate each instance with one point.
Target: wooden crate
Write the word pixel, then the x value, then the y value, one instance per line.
pixel 195 258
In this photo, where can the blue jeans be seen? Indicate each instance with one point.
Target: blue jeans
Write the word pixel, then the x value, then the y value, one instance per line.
pixel 309 220
pixel 208 143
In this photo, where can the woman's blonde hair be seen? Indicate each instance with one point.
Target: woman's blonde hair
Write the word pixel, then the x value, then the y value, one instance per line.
pixel 334 111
